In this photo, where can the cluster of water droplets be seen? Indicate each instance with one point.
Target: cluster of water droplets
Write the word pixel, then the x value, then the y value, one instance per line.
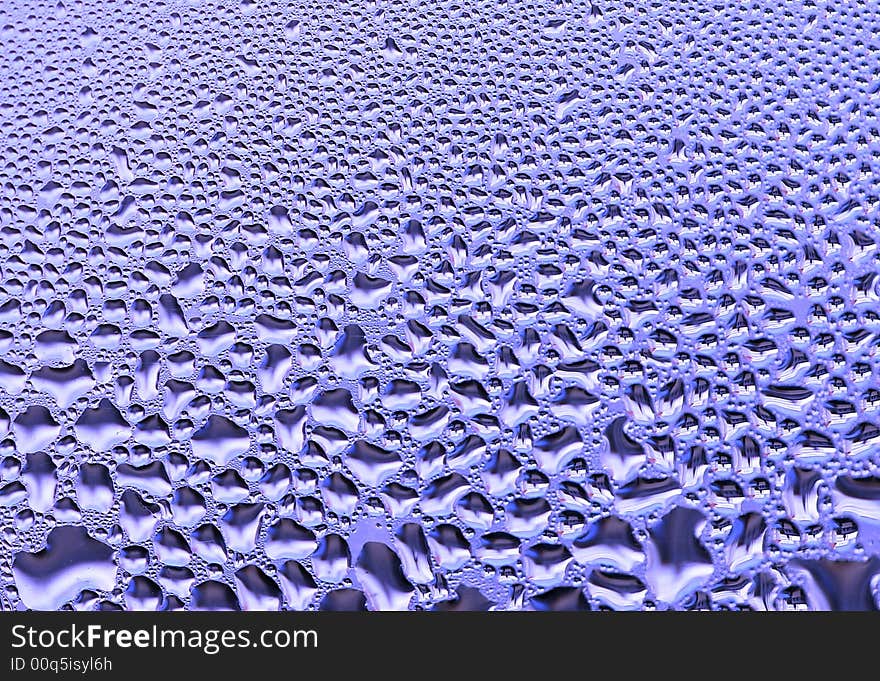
pixel 460 305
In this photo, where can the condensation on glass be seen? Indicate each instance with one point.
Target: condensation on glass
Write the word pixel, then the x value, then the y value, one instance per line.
pixel 448 305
